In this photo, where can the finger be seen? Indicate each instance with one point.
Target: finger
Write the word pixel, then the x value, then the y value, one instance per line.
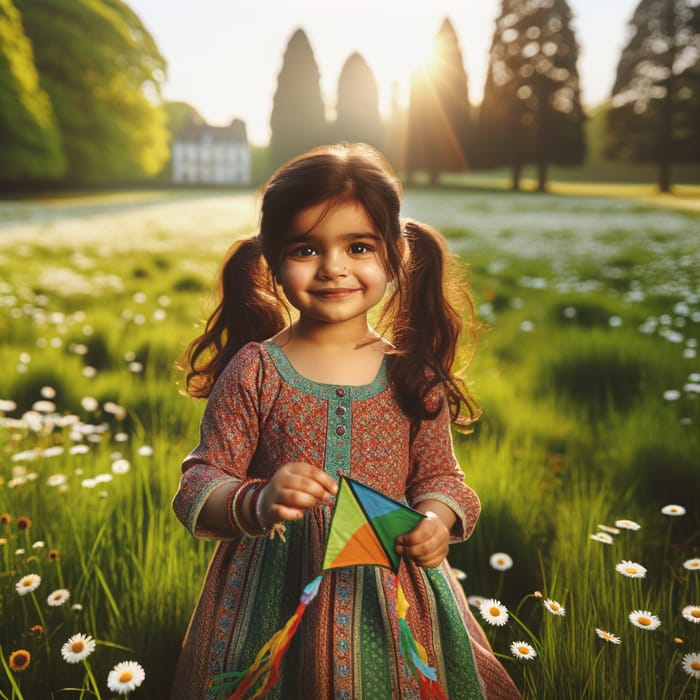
pixel 315 478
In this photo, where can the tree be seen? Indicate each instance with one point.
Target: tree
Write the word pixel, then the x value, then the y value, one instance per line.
pixel 102 70
pixel 298 119
pixel 439 110
pixel 180 115
pixel 357 109
pixel 655 107
pixel 531 111
pixel 30 143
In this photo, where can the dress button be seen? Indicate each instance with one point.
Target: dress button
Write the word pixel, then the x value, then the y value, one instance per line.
pixel 341 410
pixel 340 430
pixel 340 391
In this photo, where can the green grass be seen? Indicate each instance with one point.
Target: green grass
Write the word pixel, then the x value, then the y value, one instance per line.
pixel 588 375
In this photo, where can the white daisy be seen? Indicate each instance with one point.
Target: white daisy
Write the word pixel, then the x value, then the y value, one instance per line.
pixel 494 612
pixel 627 524
pixel 501 561
pixel 608 529
pixel 28 583
pixel 58 597
pixel 475 600
pixel 602 537
pixel 691 613
pixel 673 509
pixel 121 466
pixel 644 619
pixel 77 648
pixel 692 564
pixel 630 569
pixel 607 636
pixel 554 607
pixel 522 650
pixel 125 677
pixel 691 664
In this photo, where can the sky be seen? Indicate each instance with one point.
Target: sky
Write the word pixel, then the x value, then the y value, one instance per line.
pixel 224 55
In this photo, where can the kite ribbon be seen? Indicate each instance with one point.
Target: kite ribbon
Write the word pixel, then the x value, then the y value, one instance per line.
pixel 414 653
pixel 264 672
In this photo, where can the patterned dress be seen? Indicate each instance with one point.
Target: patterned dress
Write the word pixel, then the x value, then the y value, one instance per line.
pixel 262 414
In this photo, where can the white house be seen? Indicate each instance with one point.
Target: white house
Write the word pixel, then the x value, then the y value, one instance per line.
pixel 212 155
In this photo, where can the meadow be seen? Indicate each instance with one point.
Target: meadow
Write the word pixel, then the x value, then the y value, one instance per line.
pixel 585 566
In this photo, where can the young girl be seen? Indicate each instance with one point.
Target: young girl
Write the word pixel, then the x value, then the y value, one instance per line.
pixel 305 384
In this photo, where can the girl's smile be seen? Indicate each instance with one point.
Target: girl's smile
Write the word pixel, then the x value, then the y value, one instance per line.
pixel 332 271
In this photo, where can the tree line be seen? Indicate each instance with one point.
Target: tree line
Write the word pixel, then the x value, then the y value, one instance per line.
pixel 80 98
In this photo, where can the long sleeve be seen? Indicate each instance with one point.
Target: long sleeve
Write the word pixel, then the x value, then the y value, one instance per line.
pixel 227 442
pixel 435 474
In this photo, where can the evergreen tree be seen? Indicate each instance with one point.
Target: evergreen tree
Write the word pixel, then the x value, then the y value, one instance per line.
pixel 298 120
pixel 102 70
pixel 531 112
pixel 439 111
pixel 357 110
pixel 395 135
pixel 30 144
pixel 655 108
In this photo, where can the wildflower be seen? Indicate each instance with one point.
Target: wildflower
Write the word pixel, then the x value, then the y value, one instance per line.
pixel 37 630
pixel 537 594
pixel 602 537
pixel 627 524
pixel 5 518
pixel 77 607
pixel 692 564
pixel 121 466
pixel 630 569
pixel 125 677
pixel 58 597
pixel 607 636
pixel 691 664
pixel 53 555
pixel 89 404
pixel 554 607
pixel 522 650
pixel 501 561
pixel 20 659
pixel 608 529
pixel 77 648
pixel 475 600
pixel 56 480
pixel 459 574
pixel 28 583
pixel 691 613
pixel 39 544
pixel 673 509
pixel 145 451
pixel 23 522
pixel 677 640
pixel 494 612
pixel 644 619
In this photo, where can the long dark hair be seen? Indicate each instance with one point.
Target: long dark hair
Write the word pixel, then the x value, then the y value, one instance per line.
pixel 420 317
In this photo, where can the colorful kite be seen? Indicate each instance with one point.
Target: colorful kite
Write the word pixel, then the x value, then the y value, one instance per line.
pixel 363 529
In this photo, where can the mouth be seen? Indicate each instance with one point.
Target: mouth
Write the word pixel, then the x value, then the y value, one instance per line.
pixel 335 293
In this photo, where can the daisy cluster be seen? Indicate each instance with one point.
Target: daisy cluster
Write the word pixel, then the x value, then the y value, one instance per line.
pixel 496 614
pixel 124 677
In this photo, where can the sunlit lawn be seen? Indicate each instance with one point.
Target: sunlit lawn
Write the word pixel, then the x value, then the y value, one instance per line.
pixel 589 377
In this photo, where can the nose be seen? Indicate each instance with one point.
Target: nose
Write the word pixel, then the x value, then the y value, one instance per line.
pixel 332 265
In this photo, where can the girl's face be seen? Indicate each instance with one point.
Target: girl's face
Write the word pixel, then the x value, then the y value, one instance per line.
pixel 332 269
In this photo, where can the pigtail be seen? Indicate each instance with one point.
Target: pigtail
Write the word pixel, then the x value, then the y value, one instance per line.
pixel 248 310
pixel 427 328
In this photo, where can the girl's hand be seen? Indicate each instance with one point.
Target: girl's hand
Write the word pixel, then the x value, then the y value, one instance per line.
pixel 295 488
pixel 427 543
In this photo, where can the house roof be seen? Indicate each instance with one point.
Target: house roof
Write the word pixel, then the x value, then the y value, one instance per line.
pixel 204 133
